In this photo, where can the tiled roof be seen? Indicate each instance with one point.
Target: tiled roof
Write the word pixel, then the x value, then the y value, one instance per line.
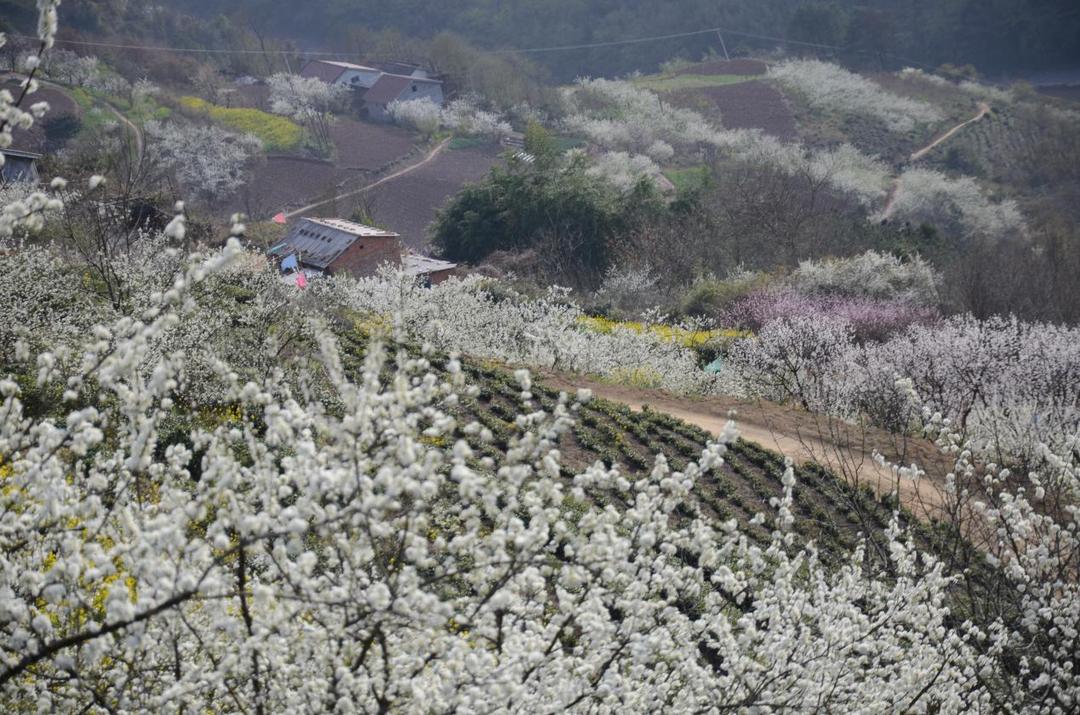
pixel 390 86
pixel 387 89
pixel 320 69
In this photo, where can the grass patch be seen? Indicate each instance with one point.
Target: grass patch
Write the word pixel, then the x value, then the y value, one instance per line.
pixel 671 83
pixel 564 144
pixel 689 179
pixel 468 142
pixel 276 133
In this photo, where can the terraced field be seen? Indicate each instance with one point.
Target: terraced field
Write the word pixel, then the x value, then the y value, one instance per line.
pixel 828 511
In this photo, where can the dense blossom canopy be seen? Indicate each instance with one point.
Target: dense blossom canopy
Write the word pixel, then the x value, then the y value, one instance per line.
pixel 204 506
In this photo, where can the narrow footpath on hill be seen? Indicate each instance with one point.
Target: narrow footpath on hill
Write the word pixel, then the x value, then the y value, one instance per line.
pixel 799 435
pixel 894 192
pixel 133 128
pixel 430 157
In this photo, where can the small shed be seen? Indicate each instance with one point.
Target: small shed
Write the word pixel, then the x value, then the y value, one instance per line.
pixel 19 167
pixel 431 270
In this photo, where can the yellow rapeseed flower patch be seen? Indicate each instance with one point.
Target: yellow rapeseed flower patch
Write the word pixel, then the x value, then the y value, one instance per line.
pixel 276 133
pixel 667 333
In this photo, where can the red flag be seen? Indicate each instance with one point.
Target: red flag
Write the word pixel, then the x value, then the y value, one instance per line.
pixel 280 219
pixel 301 280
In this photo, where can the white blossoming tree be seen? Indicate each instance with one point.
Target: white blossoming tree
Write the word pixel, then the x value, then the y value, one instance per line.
pixel 341 538
pixel 309 101
pixel 207 161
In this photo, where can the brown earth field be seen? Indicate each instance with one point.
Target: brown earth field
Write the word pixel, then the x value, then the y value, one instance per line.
pixel 740 67
pixel 367 146
pixel 746 105
pixel 284 182
pixel 61 107
pixel 408 205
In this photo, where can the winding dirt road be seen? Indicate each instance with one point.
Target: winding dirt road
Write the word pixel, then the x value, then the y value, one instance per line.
pixel 136 132
pixel 431 156
pixel 848 450
pixel 898 182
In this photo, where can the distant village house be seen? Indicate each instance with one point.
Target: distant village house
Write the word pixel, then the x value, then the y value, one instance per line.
pixel 379 84
pixel 335 246
pixel 19 167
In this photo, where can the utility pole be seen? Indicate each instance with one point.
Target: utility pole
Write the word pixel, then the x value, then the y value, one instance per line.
pixel 723 45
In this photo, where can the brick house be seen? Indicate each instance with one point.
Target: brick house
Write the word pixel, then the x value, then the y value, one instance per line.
pixel 331 246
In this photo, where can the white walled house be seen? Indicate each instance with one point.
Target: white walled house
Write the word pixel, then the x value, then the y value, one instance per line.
pixel 376 87
pixel 396 88
pixel 345 74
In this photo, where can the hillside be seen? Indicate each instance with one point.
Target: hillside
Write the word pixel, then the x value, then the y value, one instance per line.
pixel 756 387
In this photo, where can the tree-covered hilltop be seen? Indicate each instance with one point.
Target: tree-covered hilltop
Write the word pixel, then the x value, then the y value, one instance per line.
pixel 994 35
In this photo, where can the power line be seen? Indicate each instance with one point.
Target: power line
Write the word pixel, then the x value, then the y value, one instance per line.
pixel 657 38
pixel 194 50
pixel 524 50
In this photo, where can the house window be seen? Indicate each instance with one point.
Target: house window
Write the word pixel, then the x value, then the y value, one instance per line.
pixel 414 88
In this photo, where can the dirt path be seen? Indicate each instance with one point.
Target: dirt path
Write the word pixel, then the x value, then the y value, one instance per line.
pixel 431 156
pixel 136 132
pixel 799 435
pixel 132 127
pixel 984 109
pixel 898 182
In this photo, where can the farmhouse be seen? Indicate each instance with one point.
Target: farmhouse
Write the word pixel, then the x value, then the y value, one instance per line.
pixel 19 166
pixel 331 245
pixel 394 88
pixel 345 74
pixel 379 84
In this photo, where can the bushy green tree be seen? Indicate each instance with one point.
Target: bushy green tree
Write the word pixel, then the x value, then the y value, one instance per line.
pixel 517 207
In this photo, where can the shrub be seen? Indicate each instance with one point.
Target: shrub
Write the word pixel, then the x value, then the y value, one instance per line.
pixel 868 318
pixel 871 274
pixel 710 297
pixel 276 133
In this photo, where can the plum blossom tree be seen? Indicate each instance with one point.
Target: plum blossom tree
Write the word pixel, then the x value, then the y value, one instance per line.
pixel 208 161
pixel 309 101
pixel 831 86
pixel 277 548
pixel 463 115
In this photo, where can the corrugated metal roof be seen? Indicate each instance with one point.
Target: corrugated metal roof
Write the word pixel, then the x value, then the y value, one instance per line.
pixel 319 242
pixel 351 66
pixel 415 265
pixel 357 229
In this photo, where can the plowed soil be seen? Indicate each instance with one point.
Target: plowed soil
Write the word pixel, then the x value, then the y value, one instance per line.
pixel 367 146
pixel 408 204
pixel 746 105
